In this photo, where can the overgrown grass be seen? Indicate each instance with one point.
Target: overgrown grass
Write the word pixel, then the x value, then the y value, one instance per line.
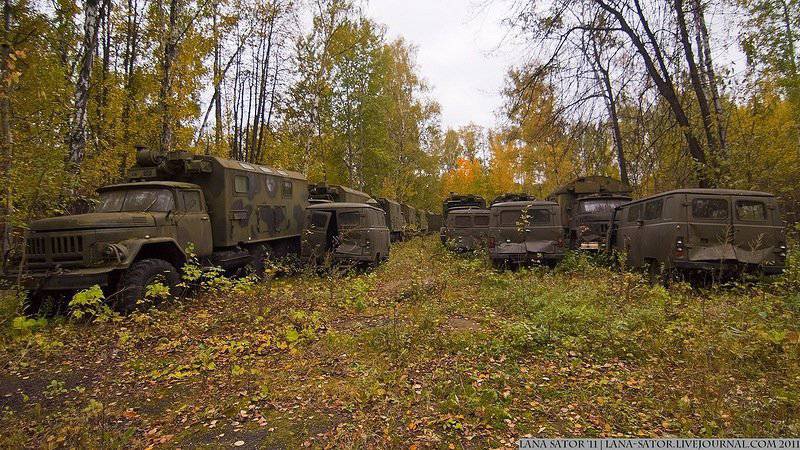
pixel 431 349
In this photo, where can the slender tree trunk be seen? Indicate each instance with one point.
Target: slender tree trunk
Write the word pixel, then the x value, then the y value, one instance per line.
pixel 697 85
pixel 611 105
pixel 165 93
pixel 707 61
pixel 5 128
pixel 78 135
pixel 217 83
pixel 664 83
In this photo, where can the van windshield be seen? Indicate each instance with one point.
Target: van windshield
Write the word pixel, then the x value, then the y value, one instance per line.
pixel 132 200
pixel 349 219
pixel 600 205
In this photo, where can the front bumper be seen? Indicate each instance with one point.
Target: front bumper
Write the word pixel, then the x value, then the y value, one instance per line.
pixel 61 281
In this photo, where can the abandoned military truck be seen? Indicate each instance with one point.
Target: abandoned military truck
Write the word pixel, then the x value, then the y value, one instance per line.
pixel 345 233
pixel 691 230
pixel 229 213
pixel 465 229
pixel 394 218
pixel 585 206
pixel 523 232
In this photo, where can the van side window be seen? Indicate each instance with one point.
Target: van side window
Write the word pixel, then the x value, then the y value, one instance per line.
pixel 652 210
pixel 710 208
pixel 481 221
pixel 751 211
pixel 241 184
pixel 287 189
pixel 635 213
pixel 191 201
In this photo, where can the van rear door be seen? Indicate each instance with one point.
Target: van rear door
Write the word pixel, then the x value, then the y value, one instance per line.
pixel 757 231
pixel 710 225
pixel 315 236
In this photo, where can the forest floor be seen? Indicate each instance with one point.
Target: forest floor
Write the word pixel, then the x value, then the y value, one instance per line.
pixel 430 350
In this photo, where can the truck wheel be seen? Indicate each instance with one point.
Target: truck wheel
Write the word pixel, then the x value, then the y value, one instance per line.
pixel 132 285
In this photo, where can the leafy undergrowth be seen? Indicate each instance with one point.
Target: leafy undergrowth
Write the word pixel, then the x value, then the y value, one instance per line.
pixel 430 350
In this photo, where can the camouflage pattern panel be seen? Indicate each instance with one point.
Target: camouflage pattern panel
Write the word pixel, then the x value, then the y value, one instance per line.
pixel 250 203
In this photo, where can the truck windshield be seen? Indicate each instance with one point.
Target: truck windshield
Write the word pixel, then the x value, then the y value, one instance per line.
pixel 600 206
pixel 131 200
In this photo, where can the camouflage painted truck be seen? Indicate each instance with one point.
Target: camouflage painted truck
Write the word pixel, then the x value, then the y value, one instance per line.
pixel 227 213
pixel 586 204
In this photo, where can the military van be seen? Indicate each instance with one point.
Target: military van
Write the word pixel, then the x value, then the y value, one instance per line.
pixel 345 233
pixel 523 232
pixel 228 213
pixel 465 229
pixel 723 230
pixel 394 218
pixel 586 221
pixel 325 193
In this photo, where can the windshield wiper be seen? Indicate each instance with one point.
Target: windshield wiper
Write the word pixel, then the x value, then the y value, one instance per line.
pixel 151 204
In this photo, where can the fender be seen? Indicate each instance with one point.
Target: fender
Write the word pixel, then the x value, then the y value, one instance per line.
pixel 167 249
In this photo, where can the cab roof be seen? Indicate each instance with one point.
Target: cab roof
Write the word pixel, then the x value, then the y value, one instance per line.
pixel 701 191
pixel 468 210
pixel 522 204
pixel 149 184
pixel 343 205
pixel 256 168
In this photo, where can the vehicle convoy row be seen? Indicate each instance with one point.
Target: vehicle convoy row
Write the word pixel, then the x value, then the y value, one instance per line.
pixel 179 207
pixel 729 231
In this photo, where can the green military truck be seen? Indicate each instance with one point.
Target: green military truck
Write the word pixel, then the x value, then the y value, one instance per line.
pixel 585 205
pixel 394 217
pixel 345 233
pixel 229 213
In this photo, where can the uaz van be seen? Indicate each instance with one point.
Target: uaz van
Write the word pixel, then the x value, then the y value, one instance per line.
pixel 701 229
pixel 524 232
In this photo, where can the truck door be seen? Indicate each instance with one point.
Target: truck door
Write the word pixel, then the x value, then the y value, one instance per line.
pixel 315 235
pixel 710 228
pixel 756 232
pixel 193 224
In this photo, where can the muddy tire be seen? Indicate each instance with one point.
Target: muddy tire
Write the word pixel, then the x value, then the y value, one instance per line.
pixel 131 287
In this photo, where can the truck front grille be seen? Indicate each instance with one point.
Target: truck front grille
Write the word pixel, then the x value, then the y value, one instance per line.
pixel 46 250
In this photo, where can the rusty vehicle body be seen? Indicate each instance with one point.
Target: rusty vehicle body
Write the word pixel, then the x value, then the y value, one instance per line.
pixel 345 233
pixel 229 213
pixel 465 229
pixel 325 193
pixel 394 218
pixel 586 221
pixel 730 231
pixel 525 232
